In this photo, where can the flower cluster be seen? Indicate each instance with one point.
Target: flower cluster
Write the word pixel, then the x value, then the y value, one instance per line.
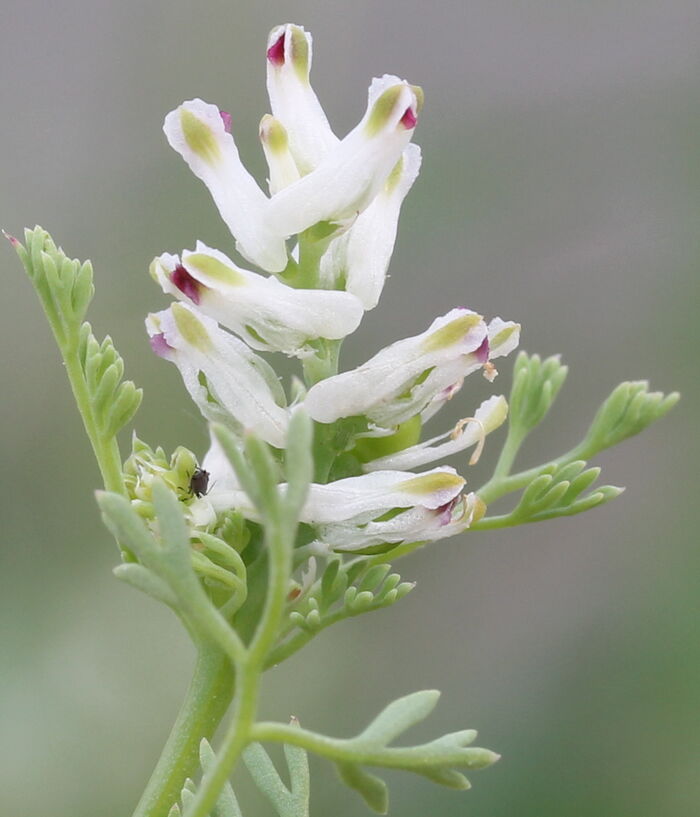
pixel 323 239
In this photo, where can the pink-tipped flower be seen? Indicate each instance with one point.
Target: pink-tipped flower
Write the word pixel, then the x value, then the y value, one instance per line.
pixel 403 379
pixel 292 99
pixel 197 131
pixel 229 383
pixel 353 172
pixel 267 314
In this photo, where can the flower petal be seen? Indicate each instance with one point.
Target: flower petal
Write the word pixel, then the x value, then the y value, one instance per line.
pixel 350 176
pixel 402 379
pixel 504 336
pixel 416 524
pixel 489 416
pixel 267 314
pixel 222 477
pixel 275 143
pixel 197 132
pixel 292 98
pixel 361 256
pixel 381 491
pixel 229 383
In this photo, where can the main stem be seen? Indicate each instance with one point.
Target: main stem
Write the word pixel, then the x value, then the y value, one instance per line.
pixel 237 736
pixel 208 697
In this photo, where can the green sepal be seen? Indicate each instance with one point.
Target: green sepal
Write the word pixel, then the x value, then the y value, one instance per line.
pixel 372 448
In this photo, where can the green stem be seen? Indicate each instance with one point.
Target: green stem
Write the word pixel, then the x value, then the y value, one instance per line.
pixel 497 486
pixel 106 450
pixel 493 522
pixel 235 740
pixel 323 364
pixel 365 752
pixel 207 699
pixel 237 735
pixel 508 453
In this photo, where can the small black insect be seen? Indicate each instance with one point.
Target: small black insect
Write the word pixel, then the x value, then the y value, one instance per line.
pixel 199 482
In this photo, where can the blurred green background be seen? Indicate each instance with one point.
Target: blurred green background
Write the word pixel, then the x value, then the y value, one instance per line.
pixel 559 188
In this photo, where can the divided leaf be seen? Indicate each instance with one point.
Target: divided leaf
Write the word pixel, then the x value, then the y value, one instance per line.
pixel 437 760
pixel 536 384
pixel 65 288
pixel 629 409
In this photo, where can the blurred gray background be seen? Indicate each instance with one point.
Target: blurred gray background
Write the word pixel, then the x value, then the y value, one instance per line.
pixel 559 188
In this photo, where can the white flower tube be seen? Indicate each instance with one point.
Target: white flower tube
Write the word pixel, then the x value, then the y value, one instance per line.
pixel 402 379
pixel 503 337
pixel 361 256
pixel 197 131
pixel 267 314
pixel 371 495
pixel 417 524
pixel 364 497
pixel 229 383
pixel 275 144
pixel 292 98
pixel 352 173
pixel 490 415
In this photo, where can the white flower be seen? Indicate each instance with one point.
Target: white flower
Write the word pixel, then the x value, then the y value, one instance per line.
pixel 490 415
pixel 402 379
pixel 418 524
pixel 363 497
pixel 267 314
pixel 503 337
pixel 229 383
pixel 371 495
pixel 361 255
pixel 197 131
pixel 384 506
pixel 293 101
pixel 351 174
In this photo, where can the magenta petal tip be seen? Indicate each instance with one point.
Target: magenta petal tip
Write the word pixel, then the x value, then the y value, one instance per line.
pixel 188 285
pixel 160 345
pixel 409 120
pixel 226 119
pixel 275 53
pixel 482 353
